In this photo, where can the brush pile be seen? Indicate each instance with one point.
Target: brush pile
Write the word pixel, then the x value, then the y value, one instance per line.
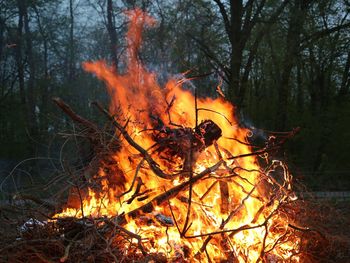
pixel 47 234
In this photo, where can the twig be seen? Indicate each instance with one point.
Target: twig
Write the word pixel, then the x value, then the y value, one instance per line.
pixel 168 112
pixel 306 229
pixel 137 191
pixel 222 115
pixel 209 237
pixel 66 250
pixel 81 201
pixel 250 154
pixel 208 190
pixel 133 180
pixel 196 106
pixel 186 227
pixel 224 189
pixel 153 165
pixel 131 234
pixel 160 199
pixel 263 245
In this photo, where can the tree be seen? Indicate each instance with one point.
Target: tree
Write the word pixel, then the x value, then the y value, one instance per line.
pixel 112 33
pixel 31 92
pixel 297 15
pixel 239 21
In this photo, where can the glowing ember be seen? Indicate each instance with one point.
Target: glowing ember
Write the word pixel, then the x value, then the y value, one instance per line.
pixel 168 196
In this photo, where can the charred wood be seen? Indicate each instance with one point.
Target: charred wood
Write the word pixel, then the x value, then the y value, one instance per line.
pixel 186 143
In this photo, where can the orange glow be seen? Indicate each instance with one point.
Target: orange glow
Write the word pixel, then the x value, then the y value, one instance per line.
pixel 138 101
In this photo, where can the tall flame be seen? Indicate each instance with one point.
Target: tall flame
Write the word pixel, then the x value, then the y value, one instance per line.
pixel 229 214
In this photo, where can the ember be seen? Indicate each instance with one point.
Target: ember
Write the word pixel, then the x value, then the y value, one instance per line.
pixel 185 184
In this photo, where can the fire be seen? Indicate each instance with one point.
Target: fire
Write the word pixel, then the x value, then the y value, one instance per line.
pixel 230 212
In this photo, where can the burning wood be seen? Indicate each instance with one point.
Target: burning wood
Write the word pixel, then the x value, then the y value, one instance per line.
pixel 174 189
pixel 185 186
pixel 186 143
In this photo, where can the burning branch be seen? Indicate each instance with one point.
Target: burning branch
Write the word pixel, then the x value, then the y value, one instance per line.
pixel 204 135
pixel 162 198
pixel 154 166
pixel 235 210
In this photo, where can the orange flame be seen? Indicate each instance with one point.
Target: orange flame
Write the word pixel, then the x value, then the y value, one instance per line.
pixel 248 230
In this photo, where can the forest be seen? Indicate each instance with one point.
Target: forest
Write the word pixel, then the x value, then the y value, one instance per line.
pixel 284 64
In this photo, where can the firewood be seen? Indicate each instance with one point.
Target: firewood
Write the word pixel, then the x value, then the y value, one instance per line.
pixel 181 140
pixel 160 199
pixel 224 189
pixel 208 127
pixel 185 142
pixel 153 164
pixel 224 192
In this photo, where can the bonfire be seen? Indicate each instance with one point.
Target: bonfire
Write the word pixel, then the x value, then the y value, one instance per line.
pixel 177 181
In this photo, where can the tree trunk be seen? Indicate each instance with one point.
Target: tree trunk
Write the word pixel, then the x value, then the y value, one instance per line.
pixel 45 88
pixel 236 41
pixel 112 33
pixel 345 84
pixel 300 92
pixel 71 63
pixel 19 58
pixel 296 19
pixel 235 72
pixel 239 23
pixel 2 29
pixel 31 94
pixel 45 81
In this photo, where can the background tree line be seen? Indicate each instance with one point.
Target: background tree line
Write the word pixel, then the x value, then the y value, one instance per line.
pixel 283 63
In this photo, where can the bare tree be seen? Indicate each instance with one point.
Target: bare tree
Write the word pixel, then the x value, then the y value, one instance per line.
pixel 239 21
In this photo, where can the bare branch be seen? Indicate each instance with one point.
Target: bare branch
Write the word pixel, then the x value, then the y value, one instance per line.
pixel 253 50
pixel 224 16
pixel 322 33
pixel 160 199
pixel 154 166
pixel 75 117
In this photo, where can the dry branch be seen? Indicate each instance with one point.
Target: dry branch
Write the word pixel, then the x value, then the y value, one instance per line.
pixel 74 116
pixel 36 200
pixel 184 143
pixel 160 199
pixel 153 164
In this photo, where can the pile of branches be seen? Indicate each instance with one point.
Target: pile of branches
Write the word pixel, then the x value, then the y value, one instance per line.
pixel 40 238
pixel 72 240
pixel 327 239
pixel 100 240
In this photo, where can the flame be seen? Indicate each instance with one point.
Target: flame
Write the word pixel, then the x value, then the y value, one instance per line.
pixel 243 228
